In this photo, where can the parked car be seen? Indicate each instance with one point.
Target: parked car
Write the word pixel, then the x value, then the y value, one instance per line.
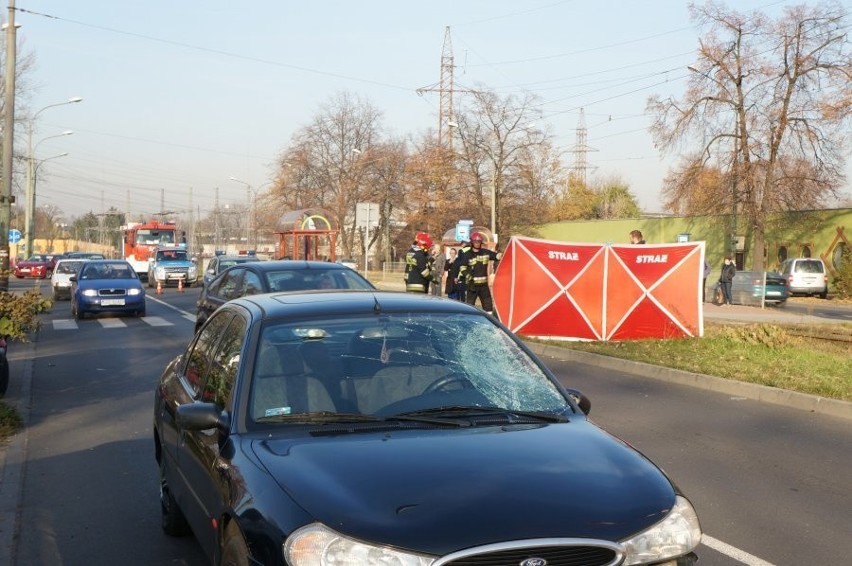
pixel 37 266
pixel 171 265
pixel 106 286
pixel 806 276
pixel 271 276
pixel 748 288
pixel 220 263
pixel 377 428
pixel 60 281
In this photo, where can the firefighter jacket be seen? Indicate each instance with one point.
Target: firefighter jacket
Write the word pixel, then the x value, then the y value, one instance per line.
pixel 418 270
pixel 475 267
pixel 457 272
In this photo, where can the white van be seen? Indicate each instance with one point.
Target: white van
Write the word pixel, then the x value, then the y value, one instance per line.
pixel 806 276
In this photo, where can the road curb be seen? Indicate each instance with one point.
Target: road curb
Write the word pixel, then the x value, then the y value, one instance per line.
pixel 792 399
pixel 13 455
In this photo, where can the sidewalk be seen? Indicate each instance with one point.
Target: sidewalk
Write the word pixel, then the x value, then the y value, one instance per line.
pixel 13 454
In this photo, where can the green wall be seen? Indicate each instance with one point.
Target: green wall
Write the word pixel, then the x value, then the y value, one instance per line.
pixel 795 231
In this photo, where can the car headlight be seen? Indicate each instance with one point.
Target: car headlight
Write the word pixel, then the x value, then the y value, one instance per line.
pixel 317 545
pixel 159 272
pixel 677 534
pixel 134 292
pixel 90 293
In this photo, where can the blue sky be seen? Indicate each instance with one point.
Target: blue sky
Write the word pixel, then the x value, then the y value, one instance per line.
pixel 181 95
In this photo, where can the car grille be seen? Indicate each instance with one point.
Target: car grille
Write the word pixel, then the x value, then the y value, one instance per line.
pixel 112 292
pixel 554 555
pixel 176 270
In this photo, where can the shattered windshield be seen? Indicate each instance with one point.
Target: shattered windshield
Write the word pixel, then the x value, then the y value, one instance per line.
pixel 392 365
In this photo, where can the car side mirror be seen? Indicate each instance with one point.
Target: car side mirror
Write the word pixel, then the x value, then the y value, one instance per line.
pixel 73 278
pixel 202 416
pixel 582 401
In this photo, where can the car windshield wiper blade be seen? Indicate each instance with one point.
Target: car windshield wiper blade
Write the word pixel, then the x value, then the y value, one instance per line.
pixel 320 416
pixel 333 417
pixel 477 411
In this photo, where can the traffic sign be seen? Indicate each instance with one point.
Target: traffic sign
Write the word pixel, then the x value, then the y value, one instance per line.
pixel 14 236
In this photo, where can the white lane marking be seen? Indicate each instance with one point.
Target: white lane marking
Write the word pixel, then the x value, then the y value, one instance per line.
pixel 733 552
pixel 186 315
pixel 65 324
pixel 112 323
pixel 157 321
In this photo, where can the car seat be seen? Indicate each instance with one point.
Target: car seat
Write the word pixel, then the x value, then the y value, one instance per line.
pixel 281 385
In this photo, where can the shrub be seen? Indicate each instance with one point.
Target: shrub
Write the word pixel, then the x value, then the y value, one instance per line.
pixel 843 281
pixel 18 313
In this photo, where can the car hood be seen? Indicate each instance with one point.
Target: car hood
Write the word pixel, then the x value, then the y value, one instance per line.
pixel 32 263
pixel 437 491
pixel 174 263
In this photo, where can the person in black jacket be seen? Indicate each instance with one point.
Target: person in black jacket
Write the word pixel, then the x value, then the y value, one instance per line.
pixel 474 271
pixel 726 279
pixel 419 264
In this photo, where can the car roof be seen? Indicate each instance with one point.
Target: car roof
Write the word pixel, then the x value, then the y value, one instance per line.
pixel 346 302
pixel 294 264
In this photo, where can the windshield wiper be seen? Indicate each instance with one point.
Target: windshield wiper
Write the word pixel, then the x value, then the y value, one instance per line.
pixel 480 411
pixel 319 416
pixel 332 417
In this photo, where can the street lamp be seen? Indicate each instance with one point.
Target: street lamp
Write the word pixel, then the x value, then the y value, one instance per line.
pixel 250 203
pixel 32 170
pixel 31 200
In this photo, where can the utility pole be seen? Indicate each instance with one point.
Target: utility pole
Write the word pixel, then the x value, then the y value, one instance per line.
pixel 6 198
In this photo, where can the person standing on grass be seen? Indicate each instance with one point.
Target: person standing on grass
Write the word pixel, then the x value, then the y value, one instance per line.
pixel 726 279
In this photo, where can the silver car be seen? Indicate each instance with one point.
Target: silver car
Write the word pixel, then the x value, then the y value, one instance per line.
pixel 806 276
pixel 60 281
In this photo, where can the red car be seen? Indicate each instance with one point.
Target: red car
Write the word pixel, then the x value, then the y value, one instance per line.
pixel 38 266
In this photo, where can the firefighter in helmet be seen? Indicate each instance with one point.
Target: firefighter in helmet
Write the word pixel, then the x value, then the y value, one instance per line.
pixel 474 272
pixel 418 264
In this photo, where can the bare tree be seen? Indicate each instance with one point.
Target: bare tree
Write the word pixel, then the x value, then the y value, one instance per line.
pixel 768 106
pixel 321 169
pixel 504 157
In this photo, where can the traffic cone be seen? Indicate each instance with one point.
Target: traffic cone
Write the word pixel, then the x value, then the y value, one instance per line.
pixel 180 285
pixel 159 287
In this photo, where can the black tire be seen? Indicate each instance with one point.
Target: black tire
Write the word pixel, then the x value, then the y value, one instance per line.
pixel 75 312
pixel 140 313
pixel 234 549
pixel 172 520
pixel 824 294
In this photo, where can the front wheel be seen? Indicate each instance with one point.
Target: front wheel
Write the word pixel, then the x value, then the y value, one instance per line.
pixel 234 549
pixel 173 521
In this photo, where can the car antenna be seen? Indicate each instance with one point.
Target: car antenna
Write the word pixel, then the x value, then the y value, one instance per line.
pixel 377 308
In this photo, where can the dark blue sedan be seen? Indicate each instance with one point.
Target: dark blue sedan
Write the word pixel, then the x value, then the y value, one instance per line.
pixel 106 286
pixel 371 428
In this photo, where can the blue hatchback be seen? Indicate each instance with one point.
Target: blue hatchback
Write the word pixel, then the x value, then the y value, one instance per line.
pixel 106 286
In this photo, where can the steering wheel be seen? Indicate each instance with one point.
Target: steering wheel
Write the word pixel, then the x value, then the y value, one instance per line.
pixel 445 383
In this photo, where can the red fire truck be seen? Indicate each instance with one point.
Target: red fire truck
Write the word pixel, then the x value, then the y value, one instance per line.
pixel 141 239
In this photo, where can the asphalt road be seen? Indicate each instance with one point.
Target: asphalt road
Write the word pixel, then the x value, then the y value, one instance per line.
pixel 771 484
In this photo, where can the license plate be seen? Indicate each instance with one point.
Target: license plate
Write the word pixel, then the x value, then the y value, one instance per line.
pixel 773 292
pixel 176 276
pixel 112 302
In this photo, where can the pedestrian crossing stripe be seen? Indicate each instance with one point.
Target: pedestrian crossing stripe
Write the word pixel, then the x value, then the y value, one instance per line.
pixel 71 324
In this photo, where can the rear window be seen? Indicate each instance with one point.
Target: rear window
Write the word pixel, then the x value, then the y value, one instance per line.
pixel 809 266
pixel 68 267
